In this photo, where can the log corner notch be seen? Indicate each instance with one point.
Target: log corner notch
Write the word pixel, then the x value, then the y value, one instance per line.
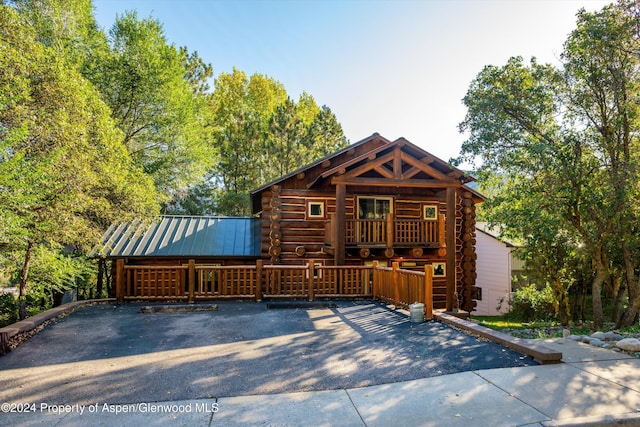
pixel 468 251
pixel 275 218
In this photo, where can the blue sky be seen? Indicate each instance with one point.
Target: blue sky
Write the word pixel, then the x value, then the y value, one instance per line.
pixel 399 67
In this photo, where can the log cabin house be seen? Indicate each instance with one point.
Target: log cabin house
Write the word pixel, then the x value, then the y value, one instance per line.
pixel 374 201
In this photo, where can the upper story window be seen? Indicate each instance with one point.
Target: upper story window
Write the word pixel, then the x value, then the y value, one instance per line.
pixel 430 212
pixel 316 209
pixel 374 207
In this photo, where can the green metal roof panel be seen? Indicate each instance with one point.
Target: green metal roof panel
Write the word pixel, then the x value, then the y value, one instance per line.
pixel 183 236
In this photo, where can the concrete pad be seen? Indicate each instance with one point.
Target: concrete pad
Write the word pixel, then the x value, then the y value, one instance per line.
pixel 574 351
pixel 30 419
pixel 623 372
pixel 184 413
pixel 454 400
pixel 564 391
pixel 324 408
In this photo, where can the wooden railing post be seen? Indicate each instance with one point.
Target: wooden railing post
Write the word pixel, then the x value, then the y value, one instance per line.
pixel 375 291
pixel 396 280
pixel 192 281
pixel 428 292
pixel 259 280
pixel 120 280
pixel 311 272
pixel 389 236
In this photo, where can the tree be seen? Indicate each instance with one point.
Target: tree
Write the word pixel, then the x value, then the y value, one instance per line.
pixel 285 141
pixel 325 134
pixel 157 95
pixel 242 107
pixel 563 143
pixel 64 171
pixel 602 63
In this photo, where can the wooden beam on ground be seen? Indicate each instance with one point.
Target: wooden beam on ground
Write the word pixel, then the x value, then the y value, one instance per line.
pixel 538 352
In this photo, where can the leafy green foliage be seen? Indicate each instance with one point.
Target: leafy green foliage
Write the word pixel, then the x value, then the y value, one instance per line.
pixel 8 309
pixel 65 172
pixel 97 128
pixel 530 304
pixel 156 95
pixel 562 147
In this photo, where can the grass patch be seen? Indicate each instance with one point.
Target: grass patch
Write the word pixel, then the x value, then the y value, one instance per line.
pixel 500 322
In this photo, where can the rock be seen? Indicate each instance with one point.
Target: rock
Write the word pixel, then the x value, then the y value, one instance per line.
pixel 612 336
pixel 597 342
pixel 598 335
pixel 629 344
pixel 574 337
pixel 585 339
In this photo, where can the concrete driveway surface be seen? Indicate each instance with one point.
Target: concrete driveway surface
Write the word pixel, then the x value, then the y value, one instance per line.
pixel 116 354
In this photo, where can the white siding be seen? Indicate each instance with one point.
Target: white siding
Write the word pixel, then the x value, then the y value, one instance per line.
pixel 493 267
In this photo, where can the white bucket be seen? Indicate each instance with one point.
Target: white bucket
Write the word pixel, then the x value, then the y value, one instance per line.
pixel 416 312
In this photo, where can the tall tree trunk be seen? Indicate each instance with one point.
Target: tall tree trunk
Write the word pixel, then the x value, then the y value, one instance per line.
pixel 630 314
pixel 596 286
pixel 562 301
pixel 618 292
pixel 24 273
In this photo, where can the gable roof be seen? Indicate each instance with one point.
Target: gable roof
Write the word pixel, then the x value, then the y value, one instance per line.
pixel 183 236
pixel 495 233
pixel 376 156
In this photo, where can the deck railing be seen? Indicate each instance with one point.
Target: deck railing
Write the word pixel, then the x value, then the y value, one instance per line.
pixel 199 282
pixel 404 287
pixel 389 232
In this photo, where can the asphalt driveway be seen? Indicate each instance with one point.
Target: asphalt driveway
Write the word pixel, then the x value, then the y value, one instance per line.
pixel 117 354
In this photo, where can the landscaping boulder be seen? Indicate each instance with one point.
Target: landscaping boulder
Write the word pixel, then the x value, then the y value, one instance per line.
pixel 629 344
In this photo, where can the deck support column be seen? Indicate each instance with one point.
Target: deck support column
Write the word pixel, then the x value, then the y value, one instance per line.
pixel 450 226
pixel 428 292
pixel 258 293
pixel 341 224
pixel 192 281
pixel 120 280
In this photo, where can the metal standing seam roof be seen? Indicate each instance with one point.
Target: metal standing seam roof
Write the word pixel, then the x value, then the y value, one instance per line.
pixel 183 236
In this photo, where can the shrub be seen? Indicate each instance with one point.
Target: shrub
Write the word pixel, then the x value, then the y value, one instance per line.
pixel 529 304
pixel 8 309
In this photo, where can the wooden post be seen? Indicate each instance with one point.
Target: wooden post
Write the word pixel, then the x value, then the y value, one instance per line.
pixel 451 247
pixel 442 242
pixel 259 280
pixel 120 280
pixel 389 236
pixel 311 272
pixel 375 281
pixel 341 223
pixel 396 281
pixel 428 292
pixel 192 281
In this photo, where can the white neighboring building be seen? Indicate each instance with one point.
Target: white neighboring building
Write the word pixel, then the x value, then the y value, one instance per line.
pixel 494 269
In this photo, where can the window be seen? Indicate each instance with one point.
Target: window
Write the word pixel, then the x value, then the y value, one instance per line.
pixel 439 269
pixel 374 207
pixel 430 212
pixel 315 209
pixel 317 272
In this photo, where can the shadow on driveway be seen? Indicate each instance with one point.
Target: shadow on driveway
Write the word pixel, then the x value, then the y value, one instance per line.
pixel 116 354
